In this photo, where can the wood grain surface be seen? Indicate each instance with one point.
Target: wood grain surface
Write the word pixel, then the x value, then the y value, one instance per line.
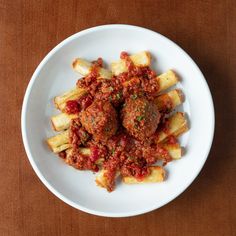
pixel 205 29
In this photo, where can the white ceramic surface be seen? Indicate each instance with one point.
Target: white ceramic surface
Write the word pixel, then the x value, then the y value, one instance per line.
pixel 54 75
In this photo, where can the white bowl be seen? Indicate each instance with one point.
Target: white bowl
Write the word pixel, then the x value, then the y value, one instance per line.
pixel 54 75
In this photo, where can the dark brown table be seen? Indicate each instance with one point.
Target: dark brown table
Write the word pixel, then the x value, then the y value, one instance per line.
pixel 205 29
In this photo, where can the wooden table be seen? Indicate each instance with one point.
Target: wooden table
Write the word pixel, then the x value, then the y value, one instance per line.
pixel 205 29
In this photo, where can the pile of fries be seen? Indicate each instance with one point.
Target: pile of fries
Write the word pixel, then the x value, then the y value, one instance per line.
pixel 177 121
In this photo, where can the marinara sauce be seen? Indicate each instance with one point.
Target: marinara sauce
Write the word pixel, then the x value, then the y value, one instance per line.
pixel 121 152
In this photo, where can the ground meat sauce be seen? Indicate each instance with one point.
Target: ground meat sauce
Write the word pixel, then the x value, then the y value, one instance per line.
pixel 117 121
pixel 62 155
pixel 81 162
pixel 90 82
pixel 72 107
pixel 75 106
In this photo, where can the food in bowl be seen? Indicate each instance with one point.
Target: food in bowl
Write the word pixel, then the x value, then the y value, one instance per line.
pixel 120 122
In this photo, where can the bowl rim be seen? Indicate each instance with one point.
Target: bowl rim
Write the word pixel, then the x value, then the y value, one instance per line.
pixel 27 146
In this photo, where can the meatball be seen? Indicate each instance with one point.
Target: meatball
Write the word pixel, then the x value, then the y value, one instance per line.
pixel 100 120
pixel 140 117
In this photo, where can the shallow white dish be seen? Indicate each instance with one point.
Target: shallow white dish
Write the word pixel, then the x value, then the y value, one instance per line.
pixel 54 75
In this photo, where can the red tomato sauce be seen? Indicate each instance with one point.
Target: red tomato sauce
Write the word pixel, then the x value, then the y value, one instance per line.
pixel 122 152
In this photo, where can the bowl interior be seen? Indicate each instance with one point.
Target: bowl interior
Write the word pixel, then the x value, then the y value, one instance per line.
pixel 55 76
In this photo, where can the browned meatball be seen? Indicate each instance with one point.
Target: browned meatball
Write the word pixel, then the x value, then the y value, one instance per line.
pixel 140 117
pixel 100 120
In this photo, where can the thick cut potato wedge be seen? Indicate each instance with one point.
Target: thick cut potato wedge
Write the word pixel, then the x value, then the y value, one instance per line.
pixel 74 94
pixel 59 142
pixel 177 126
pixel 139 59
pixel 157 174
pixel 62 121
pixel 174 150
pixel 84 68
pixel 101 179
pixel 85 152
pixel 166 80
pixel 169 101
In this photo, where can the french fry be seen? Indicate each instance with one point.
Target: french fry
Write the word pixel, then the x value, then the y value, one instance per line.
pixel 74 94
pixel 59 142
pixel 166 80
pixel 157 174
pixel 181 130
pixel 139 59
pixel 68 153
pixel 84 68
pixel 85 152
pixel 82 150
pixel 62 121
pixel 174 150
pixel 102 181
pixel 169 101
pixel 177 126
